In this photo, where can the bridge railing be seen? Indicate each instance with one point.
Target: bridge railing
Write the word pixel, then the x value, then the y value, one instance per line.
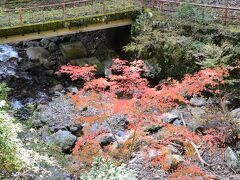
pixel 62 11
pixel 213 13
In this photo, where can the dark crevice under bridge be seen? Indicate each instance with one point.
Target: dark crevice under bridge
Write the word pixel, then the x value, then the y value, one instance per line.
pixel 21 24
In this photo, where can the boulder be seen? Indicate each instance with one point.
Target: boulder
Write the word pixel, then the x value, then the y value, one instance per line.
pixel 118 122
pixel 64 139
pixel 76 129
pixel 36 53
pixel 197 111
pixel 45 43
pixel 54 39
pixel 232 159
pixel 58 88
pixel 33 44
pixel 73 50
pixel 52 47
pixel 105 139
pixel 198 101
pixel 169 118
pixel 90 61
pixel 152 128
pixel 235 113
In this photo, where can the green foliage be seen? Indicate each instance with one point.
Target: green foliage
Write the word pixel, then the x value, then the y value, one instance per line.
pixel 215 56
pixel 189 12
pixel 165 53
pixel 3 91
pixel 8 136
pixel 107 170
pixel 9 160
pixel 143 20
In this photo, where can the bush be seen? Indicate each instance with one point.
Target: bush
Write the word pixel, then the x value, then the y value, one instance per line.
pixel 107 170
pixel 189 12
pixel 9 159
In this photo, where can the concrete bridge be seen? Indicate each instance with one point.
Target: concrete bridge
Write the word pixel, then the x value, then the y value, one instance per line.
pixel 41 21
pixel 37 22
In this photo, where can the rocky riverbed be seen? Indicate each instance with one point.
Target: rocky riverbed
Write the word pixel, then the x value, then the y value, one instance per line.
pixel 38 98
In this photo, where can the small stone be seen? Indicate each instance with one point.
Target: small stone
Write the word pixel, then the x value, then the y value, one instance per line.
pixel 177 122
pixel 198 101
pixel 105 139
pixel 169 118
pixel 197 111
pixel 232 159
pixel 152 129
pixel 120 133
pixel 172 149
pixel 76 130
pixel 174 160
pixel 63 139
pixel 72 89
pixel 58 88
pixel 17 105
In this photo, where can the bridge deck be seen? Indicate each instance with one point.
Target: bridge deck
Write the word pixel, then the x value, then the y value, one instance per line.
pixel 77 16
pixel 70 17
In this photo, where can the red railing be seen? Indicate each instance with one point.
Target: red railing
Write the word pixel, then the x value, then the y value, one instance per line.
pixel 74 9
pixel 224 13
pixel 62 11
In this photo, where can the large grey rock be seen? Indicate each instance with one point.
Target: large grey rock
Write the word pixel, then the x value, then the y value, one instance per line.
pixel 33 44
pixel 73 50
pixel 63 139
pixel 235 113
pixel 57 114
pixel 105 139
pixel 52 47
pixel 169 117
pixel 198 101
pixel 45 43
pixel 54 39
pixel 232 159
pixel 197 111
pixel 36 53
pixel 90 61
pixel 118 122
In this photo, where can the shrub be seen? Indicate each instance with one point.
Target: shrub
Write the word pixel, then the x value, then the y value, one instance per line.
pixel 9 157
pixel 126 92
pixel 189 12
pixel 107 170
pixel 3 91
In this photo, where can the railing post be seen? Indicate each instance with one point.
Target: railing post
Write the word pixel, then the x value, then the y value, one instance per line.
pixel 103 6
pixel 226 15
pixel 21 16
pixel 161 6
pixel 152 3
pixel 64 10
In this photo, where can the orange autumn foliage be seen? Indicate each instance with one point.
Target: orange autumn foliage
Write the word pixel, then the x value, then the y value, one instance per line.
pixel 126 92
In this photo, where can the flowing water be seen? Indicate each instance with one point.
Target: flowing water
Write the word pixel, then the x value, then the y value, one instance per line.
pixel 8 61
pixel 7 52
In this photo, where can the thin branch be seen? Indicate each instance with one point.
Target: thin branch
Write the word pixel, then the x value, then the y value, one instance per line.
pixel 198 154
pixel 182 119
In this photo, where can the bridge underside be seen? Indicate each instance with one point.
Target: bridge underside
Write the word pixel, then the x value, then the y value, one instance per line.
pixel 70 26
pixel 64 31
